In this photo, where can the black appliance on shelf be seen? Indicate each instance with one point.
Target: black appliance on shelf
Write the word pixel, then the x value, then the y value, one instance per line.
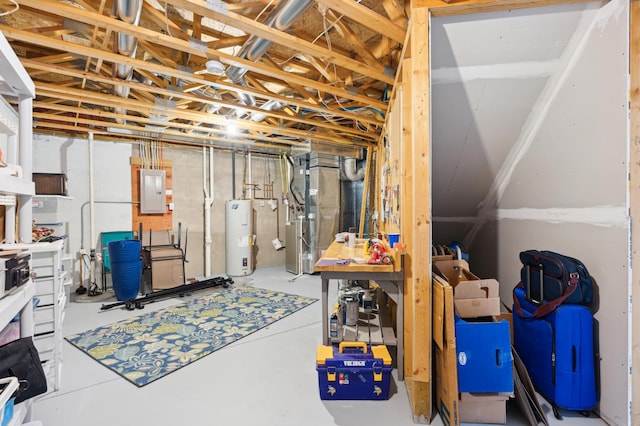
pixel 16 271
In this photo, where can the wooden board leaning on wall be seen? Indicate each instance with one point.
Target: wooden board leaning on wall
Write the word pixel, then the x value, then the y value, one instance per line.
pixel 155 222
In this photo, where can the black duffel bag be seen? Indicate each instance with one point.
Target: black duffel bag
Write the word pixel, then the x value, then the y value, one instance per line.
pixel 20 359
pixel 553 278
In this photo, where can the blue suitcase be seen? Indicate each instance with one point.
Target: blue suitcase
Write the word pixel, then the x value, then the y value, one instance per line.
pixel 558 352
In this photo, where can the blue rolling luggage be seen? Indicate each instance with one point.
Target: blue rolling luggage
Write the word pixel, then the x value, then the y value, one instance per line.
pixel 558 352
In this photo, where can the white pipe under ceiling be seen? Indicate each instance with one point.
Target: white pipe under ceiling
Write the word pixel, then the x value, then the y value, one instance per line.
pixel 207 186
pixel 92 226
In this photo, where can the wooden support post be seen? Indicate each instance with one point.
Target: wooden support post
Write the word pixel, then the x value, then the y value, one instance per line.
pixel 406 224
pixel 365 193
pixel 419 247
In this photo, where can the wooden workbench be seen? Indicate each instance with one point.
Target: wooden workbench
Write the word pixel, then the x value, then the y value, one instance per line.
pixel 340 262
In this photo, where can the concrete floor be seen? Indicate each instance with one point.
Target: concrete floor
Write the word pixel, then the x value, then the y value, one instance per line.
pixel 267 378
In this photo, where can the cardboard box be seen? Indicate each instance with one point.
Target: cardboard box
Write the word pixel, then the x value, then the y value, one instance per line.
pixel 164 268
pixel 485 363
pixel 483 407
pixel 473 297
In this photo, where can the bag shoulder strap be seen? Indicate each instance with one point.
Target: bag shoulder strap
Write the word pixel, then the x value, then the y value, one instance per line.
pixel 548 307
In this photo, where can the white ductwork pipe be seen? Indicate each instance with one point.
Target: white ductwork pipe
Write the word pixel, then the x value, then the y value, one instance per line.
pixel 208 202
pixel 250 177
pixel 92 226
pixel 350 171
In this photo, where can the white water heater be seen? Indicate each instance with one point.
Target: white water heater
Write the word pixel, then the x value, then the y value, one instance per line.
pixel 239 237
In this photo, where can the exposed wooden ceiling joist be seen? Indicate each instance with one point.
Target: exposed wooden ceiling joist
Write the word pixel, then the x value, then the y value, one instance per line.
pixel 326 83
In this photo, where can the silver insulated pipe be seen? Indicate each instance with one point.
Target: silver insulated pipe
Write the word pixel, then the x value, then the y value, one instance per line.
pixel 129 12
pixel 280 18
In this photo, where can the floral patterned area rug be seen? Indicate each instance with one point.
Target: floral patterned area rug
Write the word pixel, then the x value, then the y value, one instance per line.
pixel 150 346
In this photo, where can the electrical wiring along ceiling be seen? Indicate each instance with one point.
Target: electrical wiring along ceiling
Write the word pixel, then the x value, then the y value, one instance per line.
pixel 290 75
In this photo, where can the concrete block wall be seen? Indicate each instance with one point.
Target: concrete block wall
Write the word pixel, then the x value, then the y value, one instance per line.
pixel 112 192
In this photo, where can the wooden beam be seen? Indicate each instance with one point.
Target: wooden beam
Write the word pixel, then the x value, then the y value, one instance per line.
pixel 151 67
pixel 440 8
pixel 356 43
pixel 365 192
pixel 215 136
pixel 175 138
pixel 258 29
pixel 634 187
pixel 367 18
pixel 420 246
pixel 146 108
pixel 175 43
pixel 395 11
pixel 163 91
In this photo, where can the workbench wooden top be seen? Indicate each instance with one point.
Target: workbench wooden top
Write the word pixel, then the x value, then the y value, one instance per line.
pixel 334 257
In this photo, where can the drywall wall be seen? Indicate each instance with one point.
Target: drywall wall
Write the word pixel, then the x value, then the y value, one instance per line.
pixel 489 71
pixel 567 192
pixel 112 188
pixel 112 177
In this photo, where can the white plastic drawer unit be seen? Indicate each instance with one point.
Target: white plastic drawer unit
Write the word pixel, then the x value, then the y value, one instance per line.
pixel 45 344
pixel 43 269
pixel 44 319
pixel 45 290
pixel 48 318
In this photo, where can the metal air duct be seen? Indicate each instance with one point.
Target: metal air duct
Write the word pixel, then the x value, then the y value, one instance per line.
pixel 129 12
pixel 270 105
pixel 350 171
pixel 280 18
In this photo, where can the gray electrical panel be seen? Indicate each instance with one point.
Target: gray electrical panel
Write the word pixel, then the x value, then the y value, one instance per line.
pixel 152 191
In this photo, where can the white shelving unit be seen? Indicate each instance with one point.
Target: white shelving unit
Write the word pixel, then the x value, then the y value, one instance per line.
pixel 20 301
pixel 44 322
pixel 16 137
pixel 49 277
pixel 51 211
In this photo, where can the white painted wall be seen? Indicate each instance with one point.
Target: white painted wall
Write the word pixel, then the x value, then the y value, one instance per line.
pixel 568 192
pixel 112 184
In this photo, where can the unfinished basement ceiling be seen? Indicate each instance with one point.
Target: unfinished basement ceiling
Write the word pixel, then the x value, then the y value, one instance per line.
pixel 489 72
pixel 314 75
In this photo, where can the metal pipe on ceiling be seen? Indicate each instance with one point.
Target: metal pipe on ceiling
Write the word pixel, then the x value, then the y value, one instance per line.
pixel 280 18
pixel 128 11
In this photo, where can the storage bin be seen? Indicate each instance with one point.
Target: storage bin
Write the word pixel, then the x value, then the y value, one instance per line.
pixel 484 356
pixel 51 209
pixel 353 370
pixel 50 183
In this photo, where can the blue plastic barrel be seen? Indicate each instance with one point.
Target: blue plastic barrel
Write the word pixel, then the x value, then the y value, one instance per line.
pixel 126 268
pixel 124 250
pixel 126 279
